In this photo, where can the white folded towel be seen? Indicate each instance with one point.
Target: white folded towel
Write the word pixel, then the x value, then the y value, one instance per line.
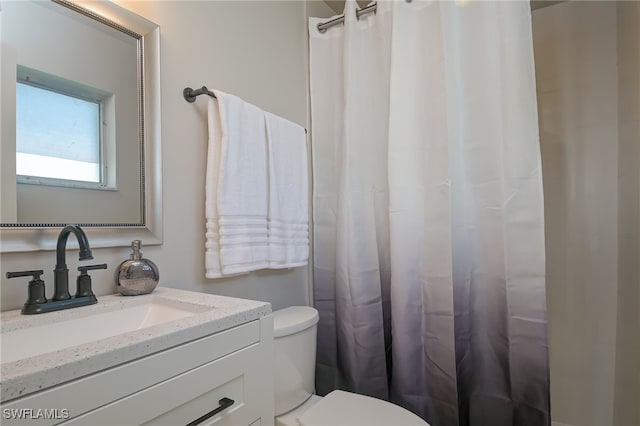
pixel 236 188
pixel 288 213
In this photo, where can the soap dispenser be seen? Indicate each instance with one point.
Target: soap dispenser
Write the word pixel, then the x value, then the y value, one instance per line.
pixel 136 275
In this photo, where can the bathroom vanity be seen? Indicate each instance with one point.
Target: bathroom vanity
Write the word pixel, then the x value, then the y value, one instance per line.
pixel 172 357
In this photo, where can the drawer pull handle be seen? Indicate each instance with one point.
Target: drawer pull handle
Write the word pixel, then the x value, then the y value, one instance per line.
pixel 224 404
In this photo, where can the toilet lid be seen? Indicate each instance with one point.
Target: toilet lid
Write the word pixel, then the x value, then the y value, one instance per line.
pixel 290 320
pixel 341 408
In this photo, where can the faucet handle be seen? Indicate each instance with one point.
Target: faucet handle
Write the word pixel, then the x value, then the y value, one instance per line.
pixel 84 269
pixel 35 274
pixel 84 281
pixel 35 291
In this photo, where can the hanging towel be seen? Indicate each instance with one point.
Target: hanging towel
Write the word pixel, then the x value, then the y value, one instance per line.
pixel 212 245
pixel 236 188
pixel 288 212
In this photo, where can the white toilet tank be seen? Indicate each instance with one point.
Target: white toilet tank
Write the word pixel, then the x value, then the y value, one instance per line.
pixel 294 331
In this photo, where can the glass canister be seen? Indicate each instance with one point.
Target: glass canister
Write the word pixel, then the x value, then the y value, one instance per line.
pixel 136 275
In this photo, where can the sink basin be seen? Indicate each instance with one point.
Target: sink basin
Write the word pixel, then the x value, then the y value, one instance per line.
pixel 56 335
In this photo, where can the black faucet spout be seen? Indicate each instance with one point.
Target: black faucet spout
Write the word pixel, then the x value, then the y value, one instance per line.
pixel 61 272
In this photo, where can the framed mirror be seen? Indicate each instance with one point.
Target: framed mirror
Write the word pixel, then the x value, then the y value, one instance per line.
pixel 80 124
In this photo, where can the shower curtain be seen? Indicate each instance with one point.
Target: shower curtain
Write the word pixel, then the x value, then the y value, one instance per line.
pixel 428 211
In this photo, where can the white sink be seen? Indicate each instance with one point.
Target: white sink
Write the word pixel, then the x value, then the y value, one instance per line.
pixel 53 336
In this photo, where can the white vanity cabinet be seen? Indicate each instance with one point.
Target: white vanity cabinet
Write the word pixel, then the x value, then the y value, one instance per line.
pixel 174 387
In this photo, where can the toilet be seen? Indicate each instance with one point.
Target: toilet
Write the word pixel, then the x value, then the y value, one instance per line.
pixel 295 402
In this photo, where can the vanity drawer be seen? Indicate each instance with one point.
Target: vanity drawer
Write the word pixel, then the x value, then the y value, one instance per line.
pixel 188 396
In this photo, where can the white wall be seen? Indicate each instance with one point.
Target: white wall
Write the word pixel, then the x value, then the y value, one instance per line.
pixel 256 50
pixel 590 255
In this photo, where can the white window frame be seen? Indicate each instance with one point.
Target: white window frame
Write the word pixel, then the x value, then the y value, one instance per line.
pixel 106 124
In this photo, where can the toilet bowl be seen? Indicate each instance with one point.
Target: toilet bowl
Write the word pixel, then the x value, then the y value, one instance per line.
pixel 295 403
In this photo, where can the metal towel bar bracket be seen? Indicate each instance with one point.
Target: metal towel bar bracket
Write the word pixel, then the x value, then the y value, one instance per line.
pixel 190 94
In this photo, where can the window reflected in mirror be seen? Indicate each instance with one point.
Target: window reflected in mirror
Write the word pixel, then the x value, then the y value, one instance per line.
pixel 58 135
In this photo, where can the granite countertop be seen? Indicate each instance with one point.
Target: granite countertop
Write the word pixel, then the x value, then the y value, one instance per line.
pixel 27 375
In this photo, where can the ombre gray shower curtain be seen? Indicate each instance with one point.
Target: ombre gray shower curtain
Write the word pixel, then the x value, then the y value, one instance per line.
pixel 428 211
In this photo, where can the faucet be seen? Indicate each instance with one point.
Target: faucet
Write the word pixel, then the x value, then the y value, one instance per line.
pixel 61 273
pixel 37 302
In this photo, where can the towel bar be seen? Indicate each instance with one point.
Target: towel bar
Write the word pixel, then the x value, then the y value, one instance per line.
pixel 191 94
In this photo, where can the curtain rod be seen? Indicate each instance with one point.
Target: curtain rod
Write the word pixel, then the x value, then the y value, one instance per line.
pixel 191 94
pixel 323 26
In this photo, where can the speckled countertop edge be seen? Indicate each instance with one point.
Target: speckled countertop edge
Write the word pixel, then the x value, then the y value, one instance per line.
pixel 22 377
